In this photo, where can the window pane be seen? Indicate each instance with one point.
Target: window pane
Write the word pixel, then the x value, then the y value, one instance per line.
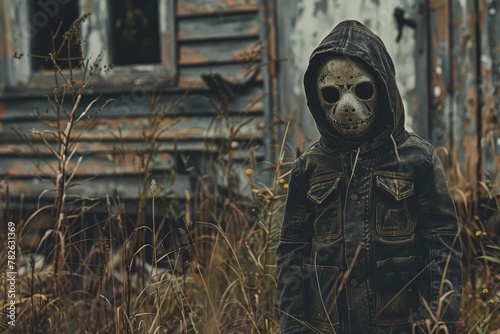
pixel 135 32
pixel 45 18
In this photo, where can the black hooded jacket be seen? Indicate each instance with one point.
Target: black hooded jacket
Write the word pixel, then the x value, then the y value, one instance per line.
pixel 369 226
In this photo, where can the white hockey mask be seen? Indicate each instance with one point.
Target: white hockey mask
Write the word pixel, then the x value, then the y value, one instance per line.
pixel 348 96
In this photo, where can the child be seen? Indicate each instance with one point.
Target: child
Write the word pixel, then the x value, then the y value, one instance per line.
pixel 369 241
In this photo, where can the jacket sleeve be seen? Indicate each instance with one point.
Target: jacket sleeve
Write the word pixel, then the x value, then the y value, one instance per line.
pixel 294 246
pixel 441 283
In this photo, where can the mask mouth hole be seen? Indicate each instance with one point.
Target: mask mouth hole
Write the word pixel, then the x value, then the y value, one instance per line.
pixel 330 94
pixel 364 90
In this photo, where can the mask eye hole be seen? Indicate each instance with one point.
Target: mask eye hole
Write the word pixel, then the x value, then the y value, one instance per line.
pixel 330 94
pixel 364 90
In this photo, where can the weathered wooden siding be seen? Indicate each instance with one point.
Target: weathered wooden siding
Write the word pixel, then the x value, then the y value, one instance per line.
pixel 216 43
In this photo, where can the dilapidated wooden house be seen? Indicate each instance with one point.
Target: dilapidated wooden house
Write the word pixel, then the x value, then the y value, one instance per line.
pixel 182 79
pixel 224 76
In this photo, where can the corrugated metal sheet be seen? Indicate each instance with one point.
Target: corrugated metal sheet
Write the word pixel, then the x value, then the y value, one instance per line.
pixel 463 79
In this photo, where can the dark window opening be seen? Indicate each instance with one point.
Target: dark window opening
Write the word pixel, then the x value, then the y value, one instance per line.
pixel 135 32
pixel 44 21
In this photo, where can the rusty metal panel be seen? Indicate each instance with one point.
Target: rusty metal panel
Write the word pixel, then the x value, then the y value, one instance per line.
pixel 438 39
pixel 463 69
pixel 491 140
pixel 464 91
pixel 16 31
pixel 4 53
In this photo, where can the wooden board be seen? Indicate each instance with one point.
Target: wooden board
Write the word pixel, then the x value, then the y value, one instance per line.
pixel 21 150
pixel 214 7
pixel 220 51
pixel 127 128
pixel 125 187
pixel 136 103
pixel 227 27
pixel 117 163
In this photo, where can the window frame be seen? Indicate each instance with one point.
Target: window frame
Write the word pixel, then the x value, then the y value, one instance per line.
pixel 17 25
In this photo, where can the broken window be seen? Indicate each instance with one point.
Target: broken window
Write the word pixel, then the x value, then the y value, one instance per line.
pixel 135 36
pixel 49 21
pixel 135 33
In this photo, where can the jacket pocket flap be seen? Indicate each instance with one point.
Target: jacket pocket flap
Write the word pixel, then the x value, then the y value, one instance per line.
pixel 319 191
pixel 398 271
pixel 399 188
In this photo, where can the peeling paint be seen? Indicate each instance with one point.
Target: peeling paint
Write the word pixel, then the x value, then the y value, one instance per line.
pixel 255 29
pixel 441 10
pixel 252 52
pixel 190 83
pixel 190 56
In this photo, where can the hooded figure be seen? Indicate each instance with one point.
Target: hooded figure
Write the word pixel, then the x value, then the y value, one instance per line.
pixel 369 242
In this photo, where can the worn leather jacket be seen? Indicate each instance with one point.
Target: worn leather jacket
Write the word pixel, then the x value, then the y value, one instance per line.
pixel 369 240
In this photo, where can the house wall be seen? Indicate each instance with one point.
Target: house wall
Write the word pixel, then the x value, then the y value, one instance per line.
pixel 210 97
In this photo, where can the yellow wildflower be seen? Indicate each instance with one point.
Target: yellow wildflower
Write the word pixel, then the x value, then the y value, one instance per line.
pixel 248 172
pixel 485 291
pixel 285 186
pixel 281 180
pixel 478 233
pixel 255 190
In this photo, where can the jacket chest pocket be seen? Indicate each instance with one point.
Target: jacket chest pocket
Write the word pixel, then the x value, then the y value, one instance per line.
pixel 394 216
pixel 328 207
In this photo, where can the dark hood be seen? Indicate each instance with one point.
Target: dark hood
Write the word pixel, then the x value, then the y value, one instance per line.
pixel 353 39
